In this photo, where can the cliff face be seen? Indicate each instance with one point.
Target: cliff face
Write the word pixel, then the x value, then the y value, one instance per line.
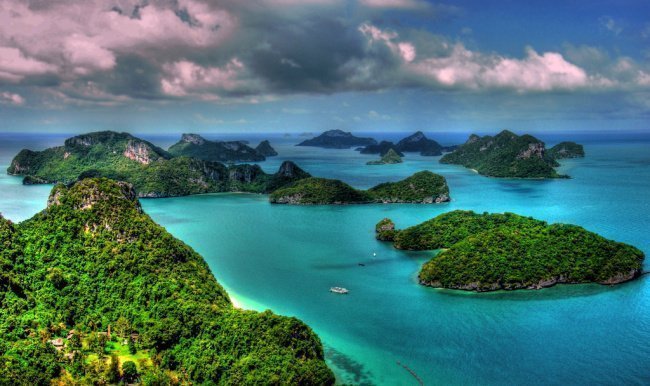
pixel 139 152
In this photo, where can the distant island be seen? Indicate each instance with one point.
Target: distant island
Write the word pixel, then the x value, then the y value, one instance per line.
pixel 153 171
pixel 416 142
pixel 421 188
pixel 381 148
pixel 195 146
pixel 265 149
pixel 92 284
pixel 337 139
pixel 487 252
pixel 391 157
pixel 505 155
pixel 565 150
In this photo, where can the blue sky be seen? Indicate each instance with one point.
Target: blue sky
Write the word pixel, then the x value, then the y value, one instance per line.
pixel 294 66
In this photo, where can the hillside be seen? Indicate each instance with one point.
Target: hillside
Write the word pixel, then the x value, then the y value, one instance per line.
pixel 422 188
pixel 92 263
pixel 504 155
pixel 152 171
pixel 416 142
pixel 195 146
pixel 486 252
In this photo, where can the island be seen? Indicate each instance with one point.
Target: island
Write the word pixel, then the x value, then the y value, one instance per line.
pixel 505 155
pixel 265 149
pixel 381 148
pixel 416 142
pixel 391 157
pixel 487 252
pixel 152 171
pixel 422 187
pixel 337 139
pixel 565 150
pixel 92 284
pixel 195 146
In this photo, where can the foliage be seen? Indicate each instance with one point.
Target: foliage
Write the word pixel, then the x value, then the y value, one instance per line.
pixel 337 139
pixel 152 171
pixel 424 187
pixel 504 155
pixel 492 251
pixel 116 264
pixel 421 187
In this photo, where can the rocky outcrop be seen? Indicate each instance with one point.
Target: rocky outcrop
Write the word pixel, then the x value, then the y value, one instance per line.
pixel 534 150
pixel 244 173
pixel 138 152
pixel 545 283
pixel 90 192
pixel 193 139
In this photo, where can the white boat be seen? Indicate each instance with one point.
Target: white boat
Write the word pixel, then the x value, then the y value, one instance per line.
pixel 339 290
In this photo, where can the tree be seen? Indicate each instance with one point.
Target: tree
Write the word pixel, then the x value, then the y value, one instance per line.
pixel 132 348
pixel 129 372
pixel 122 326
pixel 113 371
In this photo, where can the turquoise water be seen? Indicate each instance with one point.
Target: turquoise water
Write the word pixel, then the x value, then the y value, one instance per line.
pixel 286 258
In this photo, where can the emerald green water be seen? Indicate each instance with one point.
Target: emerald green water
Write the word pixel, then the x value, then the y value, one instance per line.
pixel 286 258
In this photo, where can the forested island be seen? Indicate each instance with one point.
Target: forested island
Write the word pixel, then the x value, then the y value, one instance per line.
pixel 337 139
pixel 487 252
pixel 416 142
pixel 505 155
pixel 565 150
pixel 391 157
pixel 195 146
pixel 153 171
pixel 92 291
pixel 423 187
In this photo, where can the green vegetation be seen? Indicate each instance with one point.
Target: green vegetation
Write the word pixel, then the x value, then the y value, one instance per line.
pixel 422 187
pixel 381 148
pixel 152 171
pixel 314 190
pixel 504 155
pixel 195 146
pixel 92 262
pixel 391 157
pixel 485 252
pixel 385 230
pixel 265 149
pixel 566 150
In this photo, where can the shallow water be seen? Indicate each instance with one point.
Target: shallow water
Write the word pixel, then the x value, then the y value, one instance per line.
pixel 286 258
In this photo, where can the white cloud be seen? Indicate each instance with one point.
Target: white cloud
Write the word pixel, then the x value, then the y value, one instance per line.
pixel 15 66
pixel 610 24
pixel 183 78
pixel 11 98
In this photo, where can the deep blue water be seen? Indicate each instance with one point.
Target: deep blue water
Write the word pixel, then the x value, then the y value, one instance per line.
pixel 286 258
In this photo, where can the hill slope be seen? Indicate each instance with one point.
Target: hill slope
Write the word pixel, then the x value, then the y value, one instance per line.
pixel 93 259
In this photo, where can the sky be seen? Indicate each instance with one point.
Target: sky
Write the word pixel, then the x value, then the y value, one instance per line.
pixel 309 65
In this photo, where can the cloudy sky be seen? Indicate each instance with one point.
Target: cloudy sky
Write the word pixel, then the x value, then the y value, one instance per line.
pixel 297 65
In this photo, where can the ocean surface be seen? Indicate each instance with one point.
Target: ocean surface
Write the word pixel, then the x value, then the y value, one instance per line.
pixel 285 258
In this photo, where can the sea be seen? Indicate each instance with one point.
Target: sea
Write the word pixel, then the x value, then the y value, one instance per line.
pixel 389 330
